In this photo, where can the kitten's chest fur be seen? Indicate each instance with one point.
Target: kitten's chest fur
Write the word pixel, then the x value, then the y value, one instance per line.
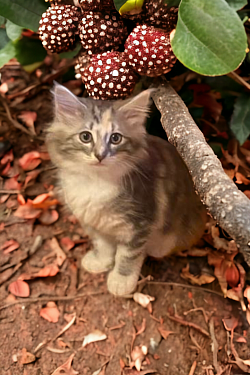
pixel 92 201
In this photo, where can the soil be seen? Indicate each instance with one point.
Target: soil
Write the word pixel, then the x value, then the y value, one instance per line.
pixel 190 317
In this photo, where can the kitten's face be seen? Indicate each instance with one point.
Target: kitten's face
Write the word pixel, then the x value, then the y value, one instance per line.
pixel 96 134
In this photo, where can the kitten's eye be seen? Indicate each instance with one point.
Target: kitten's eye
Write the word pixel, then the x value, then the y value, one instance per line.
pixel 115 138
pixel 85 137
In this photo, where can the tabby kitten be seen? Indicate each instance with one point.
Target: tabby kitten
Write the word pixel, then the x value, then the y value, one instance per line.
pixel 131 192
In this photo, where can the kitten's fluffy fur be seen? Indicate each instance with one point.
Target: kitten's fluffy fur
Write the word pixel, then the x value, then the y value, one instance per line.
pixel 138 200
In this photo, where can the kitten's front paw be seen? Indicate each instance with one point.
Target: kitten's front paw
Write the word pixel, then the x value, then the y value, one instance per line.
pixel 120 285
pixel 93 264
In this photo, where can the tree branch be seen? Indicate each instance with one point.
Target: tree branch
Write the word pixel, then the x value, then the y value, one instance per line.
pixel 228 206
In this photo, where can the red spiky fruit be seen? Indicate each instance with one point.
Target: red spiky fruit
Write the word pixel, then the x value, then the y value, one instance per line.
pixel 148 51
pixel 101 32
pixel 97 5
pixel 108 76
pixel 159 15
pixel 58 26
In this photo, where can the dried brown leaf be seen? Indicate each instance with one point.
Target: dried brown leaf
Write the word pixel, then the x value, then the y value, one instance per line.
pixel 143 299
pixel 19 288
pixel 60 255
pixel 196 279
pixel 26 357
pixel 48 217
pixel 165 333
pixel 49 270
pixel 66 368
pixel 9 246
pixel 93 337
pixel 67 244
pixel 50 312
pixel 30 160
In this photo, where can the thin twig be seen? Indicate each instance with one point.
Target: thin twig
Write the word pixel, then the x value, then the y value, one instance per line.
pixel 188 324
pixel 15 123
pixel 215 345
pixel 239 79
pixel 48 298
pixel 3 191
pixel 170 283
pixel 65 328
pixel 193 367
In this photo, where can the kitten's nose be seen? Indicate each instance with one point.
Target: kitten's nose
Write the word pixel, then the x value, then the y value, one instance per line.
pixel 100 157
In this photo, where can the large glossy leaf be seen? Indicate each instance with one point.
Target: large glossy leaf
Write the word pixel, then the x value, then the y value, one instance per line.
pixel 25 13
pixel 210 38
pixel 7 53
pixel 237 4
pixel 29 51
pixel 4 39
pixel 240 122
pixel 119 3
pixel 13 31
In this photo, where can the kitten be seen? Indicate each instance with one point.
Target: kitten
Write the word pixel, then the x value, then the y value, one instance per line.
pixel 131 192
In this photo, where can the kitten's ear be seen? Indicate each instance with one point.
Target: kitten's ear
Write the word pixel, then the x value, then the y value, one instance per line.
pixel 136 109
pixel 66 103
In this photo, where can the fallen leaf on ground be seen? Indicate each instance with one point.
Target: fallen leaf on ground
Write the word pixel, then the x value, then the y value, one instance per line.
pixel 142 328
pixel 26 357
pixel 93 337
pixel 27 211
pixel 50 312
pixel 241 340
pixel 247 293
pixel 143 299
pixel 21 199
pixel 196 279
pixel 225 269
pixel 30 161
pixel 137 356
pixel 29 117
pixel 40 198
pixel 9 246
pixel 12 184
pixel 66 368
pixel 230 323
pixel 67 244
pixel 31 175
pixel 48 217
pixel 4 198
pixel 60 256
pixel 50 270
pixel 164 332
pixel 8 157
pixel 19 288
pixel 6 171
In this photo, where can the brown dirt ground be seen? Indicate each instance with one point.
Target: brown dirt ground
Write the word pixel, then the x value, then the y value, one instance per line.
pixel 185 351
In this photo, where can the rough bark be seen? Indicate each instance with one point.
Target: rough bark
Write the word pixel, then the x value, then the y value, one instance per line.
pixel 227 205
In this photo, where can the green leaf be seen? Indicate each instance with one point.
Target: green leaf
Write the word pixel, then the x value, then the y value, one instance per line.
pixel 2 20
pixel 3 38
pixel 25 13
pixel 12 30
pixel 29 51
pixel 7 53
pixel 210 37
pixel 119 3
pixel 237 4
pixel 240 122
pixel 71 54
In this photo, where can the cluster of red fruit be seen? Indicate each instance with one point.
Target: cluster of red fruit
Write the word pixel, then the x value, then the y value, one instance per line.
pixel 107 73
